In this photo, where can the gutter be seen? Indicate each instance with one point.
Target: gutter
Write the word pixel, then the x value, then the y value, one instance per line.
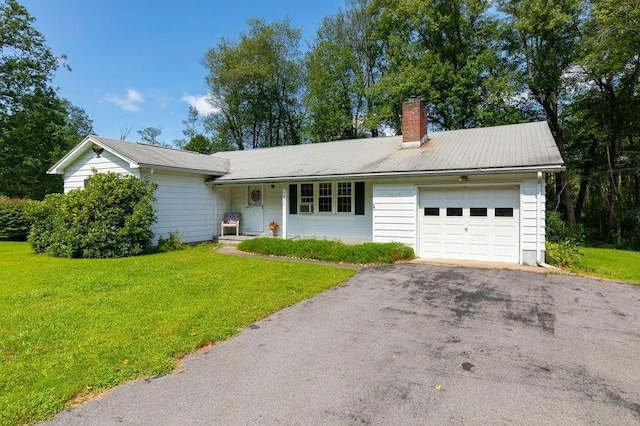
pixel 476 171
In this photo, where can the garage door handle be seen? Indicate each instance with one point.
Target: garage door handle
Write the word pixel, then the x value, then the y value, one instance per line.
pixel 465 229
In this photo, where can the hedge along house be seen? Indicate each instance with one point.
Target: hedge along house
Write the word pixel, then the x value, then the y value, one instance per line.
pixel 466 194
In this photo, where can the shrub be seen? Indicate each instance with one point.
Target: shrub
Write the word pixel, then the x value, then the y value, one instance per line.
pixel 111 217
pixel 564 254
pixel 172 243
pixel 329 250
pixel 14 223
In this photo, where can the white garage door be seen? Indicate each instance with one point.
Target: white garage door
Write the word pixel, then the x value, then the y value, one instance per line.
pixel 470 223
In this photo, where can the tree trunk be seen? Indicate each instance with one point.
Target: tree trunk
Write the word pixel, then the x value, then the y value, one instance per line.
pixel 584 180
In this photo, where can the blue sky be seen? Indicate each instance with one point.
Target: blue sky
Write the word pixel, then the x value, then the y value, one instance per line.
pixel 139 62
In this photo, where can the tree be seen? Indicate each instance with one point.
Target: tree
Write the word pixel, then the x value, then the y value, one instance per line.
pixel 199 143
pixel 256 83
pixel 447 53
pixel 190 127
pixel 36 126
pixel 149 135
pixel 607 106
pixel 341 66
pixel 26 62
pixel 543 46
pixel 125 130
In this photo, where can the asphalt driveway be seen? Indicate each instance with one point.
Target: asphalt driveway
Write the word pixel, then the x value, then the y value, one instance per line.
pixel 412 344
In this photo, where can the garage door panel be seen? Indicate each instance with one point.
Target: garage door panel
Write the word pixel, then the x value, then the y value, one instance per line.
pixel 479 233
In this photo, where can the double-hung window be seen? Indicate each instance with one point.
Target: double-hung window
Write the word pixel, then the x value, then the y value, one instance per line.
pixel 325 197
pixel 345 192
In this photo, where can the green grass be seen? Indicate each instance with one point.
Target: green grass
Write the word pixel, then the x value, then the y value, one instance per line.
pixel 622 265
pixel 71 328
pixel 330 250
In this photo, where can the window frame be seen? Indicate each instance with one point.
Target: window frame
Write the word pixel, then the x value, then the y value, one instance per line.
pixel 334 187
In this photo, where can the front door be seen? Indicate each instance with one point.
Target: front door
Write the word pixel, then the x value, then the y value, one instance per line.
pixel 254 213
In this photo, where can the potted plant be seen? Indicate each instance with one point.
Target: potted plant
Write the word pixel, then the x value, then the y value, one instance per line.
pixel 273 227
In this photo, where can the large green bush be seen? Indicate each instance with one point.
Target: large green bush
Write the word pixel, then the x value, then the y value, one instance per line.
pixel 111 217
pixel 14 224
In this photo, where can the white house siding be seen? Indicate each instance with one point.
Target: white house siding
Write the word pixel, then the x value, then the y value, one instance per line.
pixel 223 205
pixel 81 169
pixel 533 220
pixel 184 204
pixel 394 213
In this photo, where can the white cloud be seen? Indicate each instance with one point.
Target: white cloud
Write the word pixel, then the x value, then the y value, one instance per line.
pixel 200 102
pixel 130 103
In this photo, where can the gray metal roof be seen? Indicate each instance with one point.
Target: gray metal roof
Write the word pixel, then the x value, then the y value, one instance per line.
pixel 528 146
pixel 168 158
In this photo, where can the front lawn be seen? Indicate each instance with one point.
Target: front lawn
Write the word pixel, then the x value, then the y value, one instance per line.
pixel 70 328
pixel 622 265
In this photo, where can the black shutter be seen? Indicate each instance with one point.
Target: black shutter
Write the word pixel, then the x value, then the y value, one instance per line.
pixel 293 199
pixel 360 198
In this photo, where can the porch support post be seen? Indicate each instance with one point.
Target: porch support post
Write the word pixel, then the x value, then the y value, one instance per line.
pixel 285 212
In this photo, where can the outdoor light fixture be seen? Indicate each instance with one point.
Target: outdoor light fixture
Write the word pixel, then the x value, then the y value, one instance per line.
pixel 98 150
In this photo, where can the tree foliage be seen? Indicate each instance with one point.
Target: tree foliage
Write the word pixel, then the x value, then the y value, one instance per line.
pixel 256 82
pixel 36 126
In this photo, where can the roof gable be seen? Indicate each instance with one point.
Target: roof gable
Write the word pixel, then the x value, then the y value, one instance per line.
pixel 142 155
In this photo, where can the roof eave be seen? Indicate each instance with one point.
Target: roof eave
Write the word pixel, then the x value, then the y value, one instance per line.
pixel 216 173
pixel 547 168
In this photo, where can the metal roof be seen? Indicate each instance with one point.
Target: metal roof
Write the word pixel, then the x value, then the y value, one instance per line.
pixel 516 147
pixel 167 158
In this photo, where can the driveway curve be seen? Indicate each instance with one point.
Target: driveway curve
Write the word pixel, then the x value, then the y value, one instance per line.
pixel 411 344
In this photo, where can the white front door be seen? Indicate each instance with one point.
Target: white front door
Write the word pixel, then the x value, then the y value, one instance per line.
pixel 254 213
pixel 470 223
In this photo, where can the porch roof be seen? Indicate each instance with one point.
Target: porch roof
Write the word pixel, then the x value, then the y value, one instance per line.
pixel 499 149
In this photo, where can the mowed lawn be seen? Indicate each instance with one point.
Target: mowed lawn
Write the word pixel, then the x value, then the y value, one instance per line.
pixel 622 265
pixel 71 328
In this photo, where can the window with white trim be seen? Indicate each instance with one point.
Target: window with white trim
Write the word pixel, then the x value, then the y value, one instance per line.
pixel 325 197
pixel 306 193
pixel 345 197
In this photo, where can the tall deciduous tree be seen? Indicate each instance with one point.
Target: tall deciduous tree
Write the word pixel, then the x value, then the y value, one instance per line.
pixel 609 108
pixel 543 46
pixel 149 135
pixel 36 126
pixel 341 66
pixel 446 52
pixel 256 83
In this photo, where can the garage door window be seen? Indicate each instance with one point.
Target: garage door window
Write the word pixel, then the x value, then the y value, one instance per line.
pixel 504 211
pixel 454 211
pixel 478 211
pixel 432 211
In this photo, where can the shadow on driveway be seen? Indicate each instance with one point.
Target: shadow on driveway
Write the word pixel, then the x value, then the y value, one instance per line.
pixel 412 344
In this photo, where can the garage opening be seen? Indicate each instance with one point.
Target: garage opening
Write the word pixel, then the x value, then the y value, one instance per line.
pixel 470 223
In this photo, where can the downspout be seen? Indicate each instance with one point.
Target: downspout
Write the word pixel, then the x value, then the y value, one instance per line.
pixel 538 242
pixel 147 175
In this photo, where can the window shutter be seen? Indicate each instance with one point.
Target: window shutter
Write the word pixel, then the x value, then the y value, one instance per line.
pixel 293 199
pixel 359 196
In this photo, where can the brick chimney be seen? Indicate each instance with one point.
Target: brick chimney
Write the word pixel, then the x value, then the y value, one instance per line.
pixel 414 123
